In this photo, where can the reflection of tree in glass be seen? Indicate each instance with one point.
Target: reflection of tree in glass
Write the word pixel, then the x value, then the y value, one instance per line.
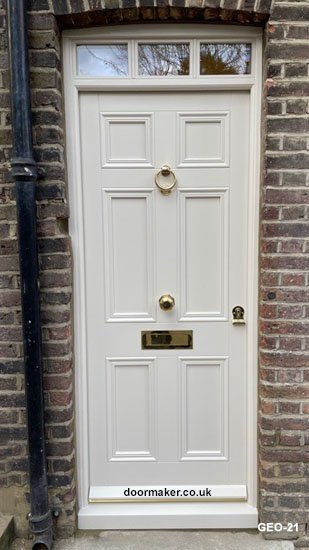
pixel 225 59
pixel 163 59
pixel 114 57
pixel 153 59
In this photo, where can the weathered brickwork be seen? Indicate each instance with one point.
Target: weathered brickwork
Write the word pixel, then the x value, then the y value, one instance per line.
pixel 55 280
pixel 284 310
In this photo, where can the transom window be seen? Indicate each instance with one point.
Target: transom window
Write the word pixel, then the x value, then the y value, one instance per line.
pixel 103 60
pixel 164 59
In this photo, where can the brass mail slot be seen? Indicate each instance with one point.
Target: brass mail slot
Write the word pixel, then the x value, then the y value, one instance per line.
pixel 167 339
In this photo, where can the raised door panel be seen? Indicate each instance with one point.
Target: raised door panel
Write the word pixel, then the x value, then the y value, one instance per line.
pixel 204 408
pixel 131 404
pixel 126 140
pixel 129 254
pixel 204 139
pixel 203 253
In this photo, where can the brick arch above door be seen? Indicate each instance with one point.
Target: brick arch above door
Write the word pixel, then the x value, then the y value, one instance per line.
pixel 81 13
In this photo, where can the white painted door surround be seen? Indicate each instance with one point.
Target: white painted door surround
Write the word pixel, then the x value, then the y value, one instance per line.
pixel 174 418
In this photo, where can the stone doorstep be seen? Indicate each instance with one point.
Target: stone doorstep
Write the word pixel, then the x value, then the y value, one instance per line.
pixel 6 531
pixel 302 542
pixel 164 540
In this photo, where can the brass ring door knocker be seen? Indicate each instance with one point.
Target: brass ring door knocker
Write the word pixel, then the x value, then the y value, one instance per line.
pixel 165 171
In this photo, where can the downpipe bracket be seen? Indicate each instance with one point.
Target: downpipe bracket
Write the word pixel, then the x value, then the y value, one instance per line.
pixel 24 168
pixel 39 524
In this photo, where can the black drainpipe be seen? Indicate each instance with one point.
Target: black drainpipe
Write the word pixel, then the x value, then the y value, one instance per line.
pixel 24 171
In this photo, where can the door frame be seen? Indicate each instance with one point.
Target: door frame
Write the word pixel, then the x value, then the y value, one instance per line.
pixel 73 86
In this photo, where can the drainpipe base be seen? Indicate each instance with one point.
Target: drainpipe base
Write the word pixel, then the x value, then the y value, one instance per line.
pixel 44 541
pixel 41 528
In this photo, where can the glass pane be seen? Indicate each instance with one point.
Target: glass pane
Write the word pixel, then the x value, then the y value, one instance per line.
pixel 163 59
pixel 103 60
pixel 225 59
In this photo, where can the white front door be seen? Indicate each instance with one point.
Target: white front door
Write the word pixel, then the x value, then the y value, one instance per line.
pixel 175 417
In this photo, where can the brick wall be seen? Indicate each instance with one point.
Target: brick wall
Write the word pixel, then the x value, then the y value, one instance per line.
pixel 284 310
pixel 284 357
pixel 55 280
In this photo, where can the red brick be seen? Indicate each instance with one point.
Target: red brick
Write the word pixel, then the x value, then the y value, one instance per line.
pixel 57 382
pixel 60 448
pixel 8 350
pixel 289 375
pixel 268 375
pixel 56 415
pixel 306 408
pixel 52 317
pixel 270 213
pixel 292 295
pixel 54 261
pixel 58 244
pixel 306 375
pixel 284 359
pixel 268 311
pixel 285 262
pixel 54 279
pixel 62 432
pixel 59 365
pixel 291 391
pixel 289 407
pixel 269 278
pixel 293 212
pixel 269 247
pixel 290 470
pixel 292 246
pixel 58 349
pixel 281 327
pixel 284 455
pixel 291 344
pixel 56 333
pixel 289 440
pixel 267 407
pixel 268 342
pixel 287 196
pixel 289 312
pixel 60 398
pixel 47 228
pixel 268 439
pixel 62 465
pixel 294 279
pixel 53 210
pixel 286 230
pixel 56 297
pixel 10 334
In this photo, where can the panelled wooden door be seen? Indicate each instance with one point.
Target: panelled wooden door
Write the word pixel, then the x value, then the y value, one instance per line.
pixel 177 416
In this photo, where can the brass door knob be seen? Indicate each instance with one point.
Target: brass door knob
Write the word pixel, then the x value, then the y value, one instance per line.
pixel 166 302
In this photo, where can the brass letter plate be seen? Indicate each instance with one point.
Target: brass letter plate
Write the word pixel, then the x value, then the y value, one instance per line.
pixel 167 339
